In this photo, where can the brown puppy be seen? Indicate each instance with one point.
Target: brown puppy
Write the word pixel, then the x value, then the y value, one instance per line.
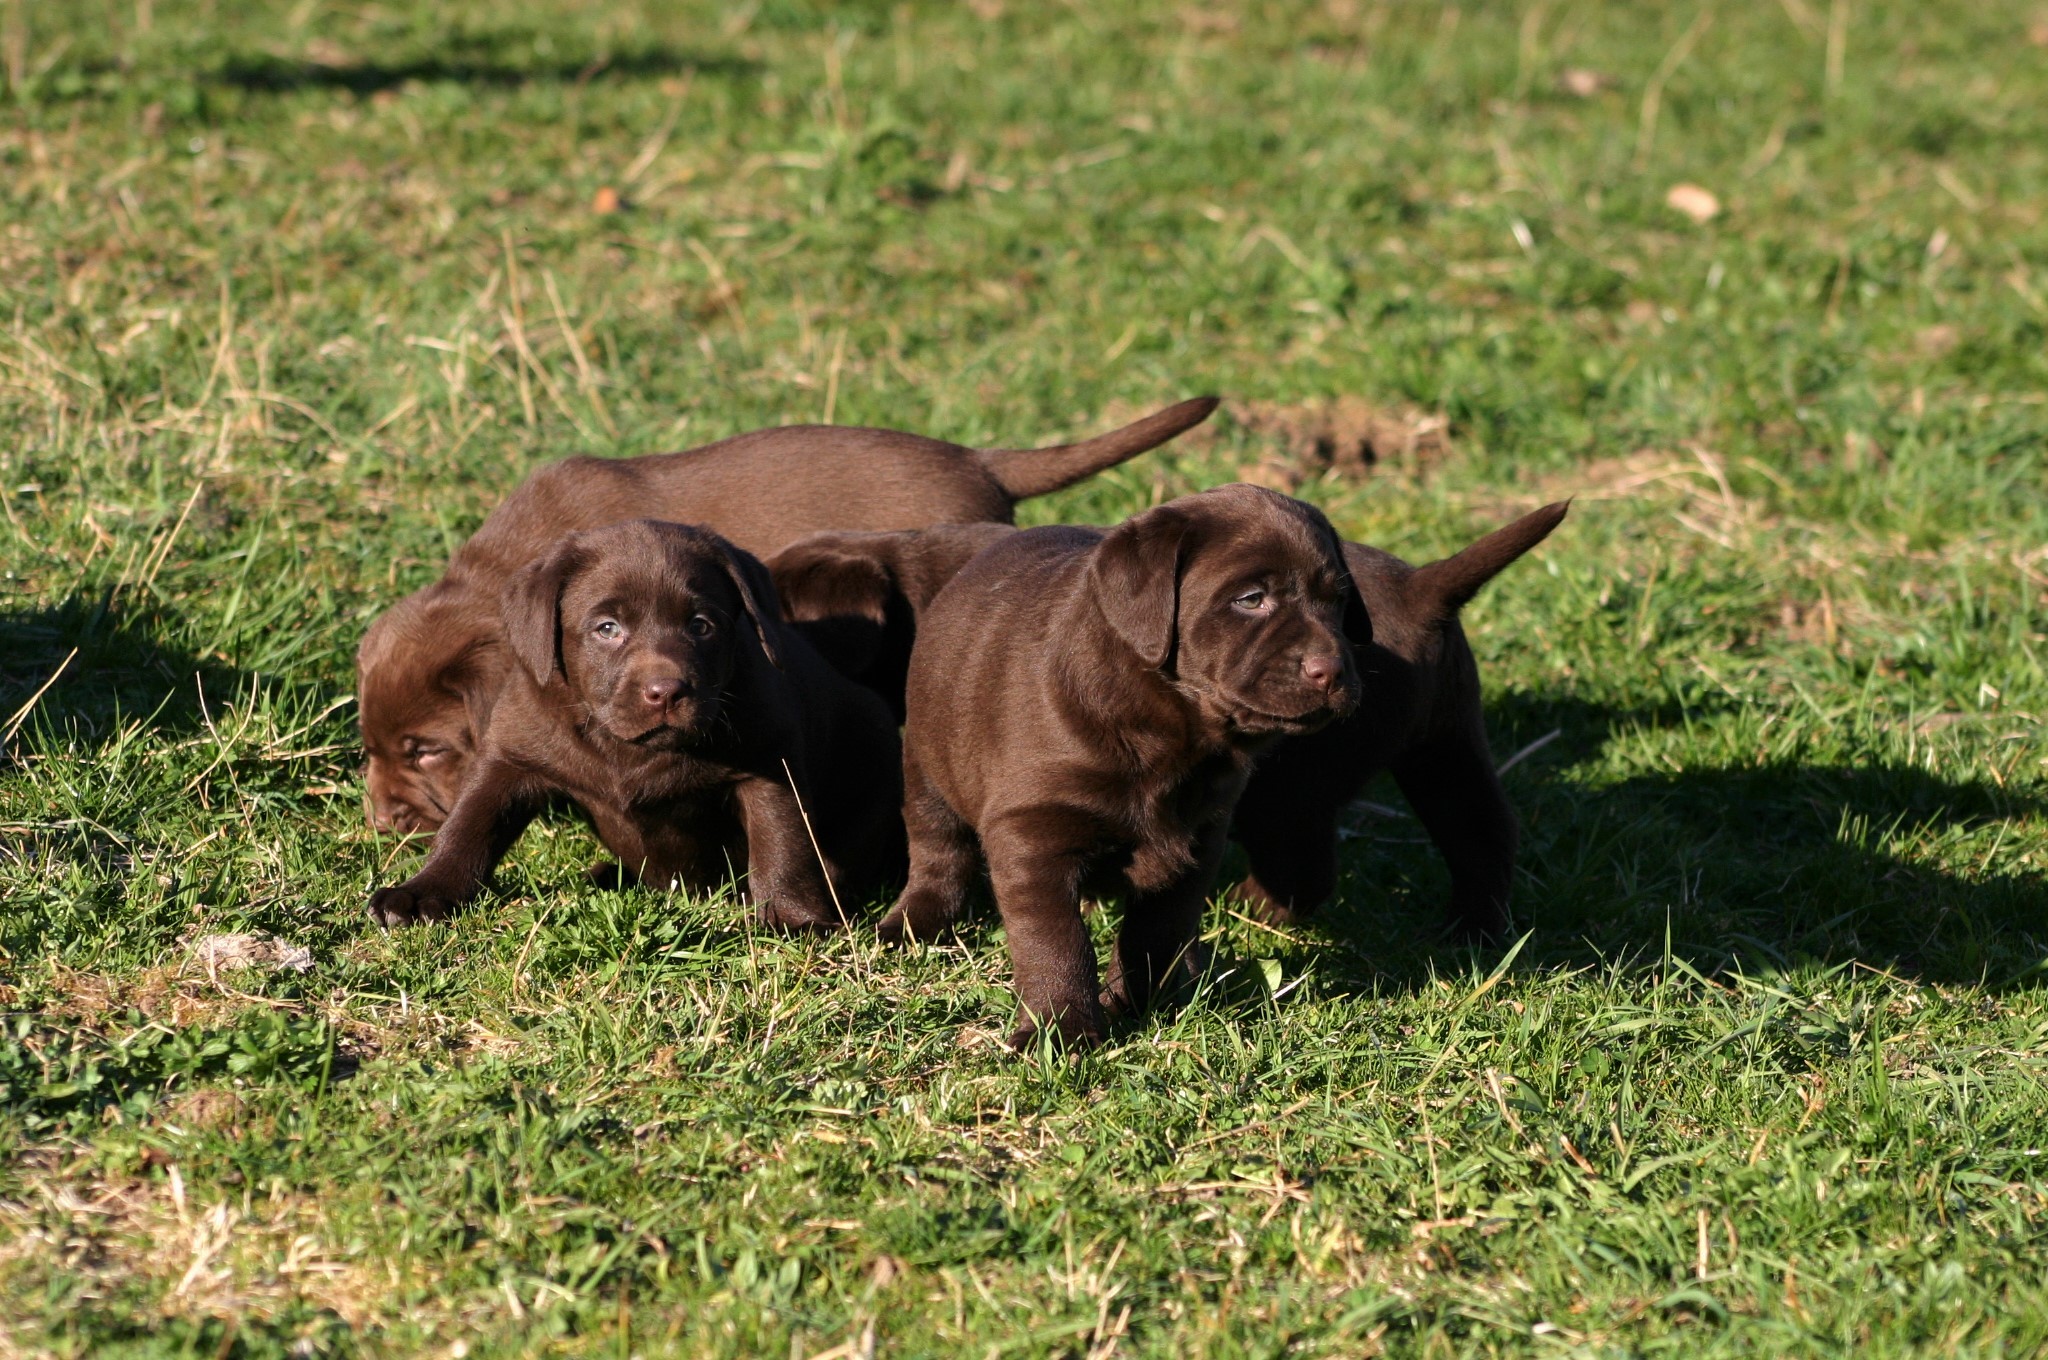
pixel 429 669
pixel 657 687
pixel 1421 719
pixel 1418 715
pixel 1084 707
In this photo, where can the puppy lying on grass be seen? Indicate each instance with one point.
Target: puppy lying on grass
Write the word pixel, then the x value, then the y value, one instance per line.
pixel 657 687
pixel 429 669
pixel 1084 707
pixel 1419 714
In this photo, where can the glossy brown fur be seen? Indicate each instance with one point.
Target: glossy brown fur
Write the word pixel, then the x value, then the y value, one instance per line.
pixel 650 679
pixel 1084 707
pixel 429 667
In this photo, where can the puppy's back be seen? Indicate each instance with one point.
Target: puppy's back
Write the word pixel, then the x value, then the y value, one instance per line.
pixel 988 646
pixel 761 490
pixel 1008 593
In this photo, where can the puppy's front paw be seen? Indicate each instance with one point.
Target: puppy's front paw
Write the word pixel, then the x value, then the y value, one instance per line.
pixel 1476 921
pixel 892 929
pixel 793 916
pixel 917 915
pixel 1076 1029
pixel 1134 984
pixel 407 906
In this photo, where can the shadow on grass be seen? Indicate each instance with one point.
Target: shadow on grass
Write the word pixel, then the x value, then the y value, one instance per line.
pixel 471 63
pixel 1763 867
pixel 121 673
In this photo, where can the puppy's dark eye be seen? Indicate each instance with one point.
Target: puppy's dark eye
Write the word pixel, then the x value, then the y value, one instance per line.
pixel 1253 600
pixel 419 755
pixel 700 627
pixel 608 629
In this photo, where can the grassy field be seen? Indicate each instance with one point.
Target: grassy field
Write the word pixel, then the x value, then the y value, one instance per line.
pixel 291 293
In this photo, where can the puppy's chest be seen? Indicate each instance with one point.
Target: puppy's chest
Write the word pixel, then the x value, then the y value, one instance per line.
pixel 653 787
pixel 1168 818
pixel 674 786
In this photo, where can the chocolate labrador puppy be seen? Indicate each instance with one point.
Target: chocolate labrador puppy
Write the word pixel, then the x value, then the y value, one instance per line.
pixel 1084 707
pixel 1419 713
pixel 429 669
pixel 657 687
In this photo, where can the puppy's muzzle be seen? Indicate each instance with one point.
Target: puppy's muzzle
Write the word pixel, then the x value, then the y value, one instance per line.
pixel 662 694
pixel 403 807
pixel 1324 673
pixel 1328 687
pixel 661 707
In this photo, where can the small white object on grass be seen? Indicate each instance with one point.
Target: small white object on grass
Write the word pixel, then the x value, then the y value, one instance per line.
pixel 1695 202
pixel 215 952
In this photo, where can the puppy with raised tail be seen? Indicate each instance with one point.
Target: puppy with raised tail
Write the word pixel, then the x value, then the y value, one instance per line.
pixel 658 688
pixel 1084 707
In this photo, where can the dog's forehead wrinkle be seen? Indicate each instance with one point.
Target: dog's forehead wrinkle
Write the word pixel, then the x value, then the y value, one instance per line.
pixel 643 585
pixel 1261 561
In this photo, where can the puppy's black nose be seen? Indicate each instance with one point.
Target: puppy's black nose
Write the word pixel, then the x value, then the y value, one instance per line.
pixel 660 693
pixel 1322 671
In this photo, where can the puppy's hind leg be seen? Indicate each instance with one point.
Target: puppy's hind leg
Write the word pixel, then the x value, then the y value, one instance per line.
pixel 1452 786
pixel 943 859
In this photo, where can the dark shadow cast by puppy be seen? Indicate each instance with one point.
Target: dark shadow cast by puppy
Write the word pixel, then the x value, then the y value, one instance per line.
pixel 103 666
pixel 491 60
pixel 85 677
pixel 1762 867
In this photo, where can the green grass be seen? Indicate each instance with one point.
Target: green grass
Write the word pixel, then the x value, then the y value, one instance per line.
pixel 290 294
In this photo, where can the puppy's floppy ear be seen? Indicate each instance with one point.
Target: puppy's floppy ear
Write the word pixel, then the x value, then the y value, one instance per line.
pixel 837 596
pixel 1357 619
pixel 757 597
pixel 1136 581
pixel 532 608
pixel 473 677
pixel 820 577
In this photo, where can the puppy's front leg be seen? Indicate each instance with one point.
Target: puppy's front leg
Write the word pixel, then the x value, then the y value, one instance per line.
pixel 784 873
pixel 942 863
pixel 1038 893
pixel 1160 941
pixel 493 809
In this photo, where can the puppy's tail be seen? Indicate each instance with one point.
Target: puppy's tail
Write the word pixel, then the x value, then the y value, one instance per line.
pixel 1034 472
pixel 1444 587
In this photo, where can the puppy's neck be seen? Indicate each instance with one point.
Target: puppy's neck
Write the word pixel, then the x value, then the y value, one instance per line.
pixel 1161 723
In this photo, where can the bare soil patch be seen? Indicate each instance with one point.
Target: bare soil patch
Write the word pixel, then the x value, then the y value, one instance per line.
pixel 1342 435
